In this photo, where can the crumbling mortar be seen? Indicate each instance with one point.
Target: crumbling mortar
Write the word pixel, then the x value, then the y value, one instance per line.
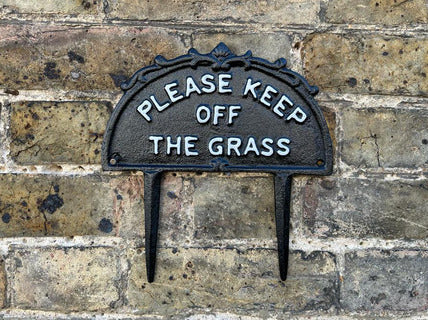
pixel 335 246
pixel 112 96
pixel 340 265
pixel 323 11
pixel 340 132
pixel 416 30
pixel 10 270
pixel 374 136
pixel 188 190
pixel 5 139
pixel 203 315
pixel 121 282
pixel 378 100
pixel 106 8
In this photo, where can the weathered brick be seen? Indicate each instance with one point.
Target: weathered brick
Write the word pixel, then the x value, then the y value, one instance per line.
pixel 176 209
pixel 269 46
pixel 199 208
pixel 385 280
pixel 48 57
pixel 377 137
pixel 360 208
pixel 272 11
pixel 65 279
pixel 58 132
pixel 387 12
pixel 240 208
pixel 229 207
pixel 47 205
pixel 228 280
pixel 367 64
pixel 330 118
pixel 70 7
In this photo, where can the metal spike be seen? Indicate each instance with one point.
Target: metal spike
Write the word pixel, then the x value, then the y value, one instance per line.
pixel 152 184
pixel 282 217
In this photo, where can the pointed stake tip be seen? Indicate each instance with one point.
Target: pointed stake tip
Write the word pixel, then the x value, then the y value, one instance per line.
pixel 150 276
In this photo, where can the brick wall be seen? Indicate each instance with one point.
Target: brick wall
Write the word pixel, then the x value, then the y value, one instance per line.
pixel 72 236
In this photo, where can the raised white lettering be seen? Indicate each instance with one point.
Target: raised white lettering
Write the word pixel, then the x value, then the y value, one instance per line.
pixel 207 81
pixel 223 83
pixel 173 95
pixel 200 110
pixel 250 87
pixel 232 113
pixel 251 147
pixel 279 107
pixel 281 143
pixel 216 150
pixel 233 144
pixel 269 149
pixel 159 107
pixel 217 113
pixel 266 96
pixel 189 144
pixel 298 114
pixel 173 145
pixel 191 87
pixel 144 108
pixel 155 140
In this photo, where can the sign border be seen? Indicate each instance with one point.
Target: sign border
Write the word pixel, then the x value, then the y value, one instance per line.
pixel 219 59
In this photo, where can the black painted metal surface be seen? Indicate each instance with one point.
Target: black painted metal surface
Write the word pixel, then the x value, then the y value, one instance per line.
pixel 218 112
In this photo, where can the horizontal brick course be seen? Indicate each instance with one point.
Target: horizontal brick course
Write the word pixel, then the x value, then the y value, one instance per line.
pixel 270 46
pixel 376 137
pixel 357 63
pixel 361 208
pixel 273 11
pixel 386 12
pixel 232 281
pixel 58 132
pixel 81 58
pixel 234 207
pixel 46 205
pixel 66 279
pixel 84 8
pixel 385 281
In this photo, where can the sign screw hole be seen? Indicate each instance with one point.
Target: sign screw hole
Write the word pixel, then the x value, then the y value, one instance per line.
pixel 320 163
pixel 114 159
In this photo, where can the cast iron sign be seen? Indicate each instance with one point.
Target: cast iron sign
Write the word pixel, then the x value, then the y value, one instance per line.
pixel 217 112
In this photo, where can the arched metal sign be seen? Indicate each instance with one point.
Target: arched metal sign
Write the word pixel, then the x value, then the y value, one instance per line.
pixel 217 112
